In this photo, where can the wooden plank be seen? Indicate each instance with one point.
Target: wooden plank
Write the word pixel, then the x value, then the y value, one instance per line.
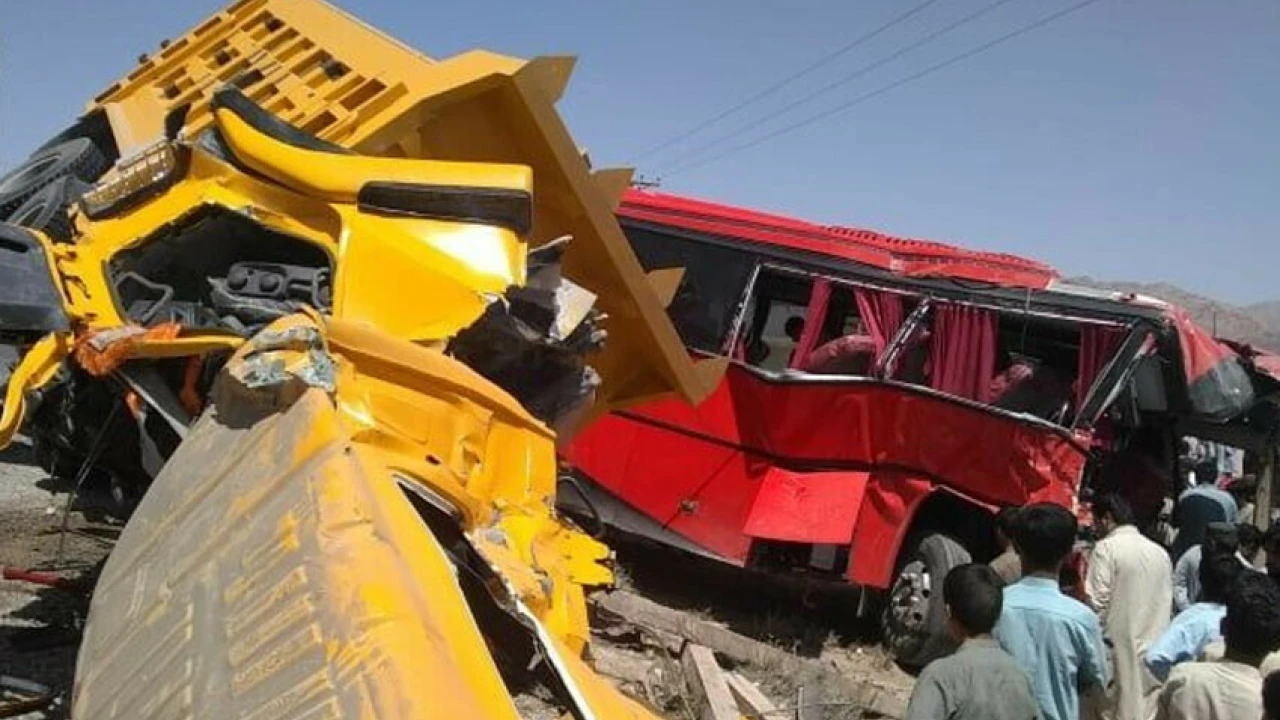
pixel 712 697
pixel 751 701
pixel 637 610
pixel 808 704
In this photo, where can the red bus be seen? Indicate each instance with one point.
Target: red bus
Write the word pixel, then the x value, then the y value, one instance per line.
pixel 884 397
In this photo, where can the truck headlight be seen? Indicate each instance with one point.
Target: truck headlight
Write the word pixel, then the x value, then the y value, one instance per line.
pixel 148 173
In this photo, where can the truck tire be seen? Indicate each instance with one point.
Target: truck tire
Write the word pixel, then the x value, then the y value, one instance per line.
pixel 47 210
pixel 77 158
pixel 94 126
pixel 915 616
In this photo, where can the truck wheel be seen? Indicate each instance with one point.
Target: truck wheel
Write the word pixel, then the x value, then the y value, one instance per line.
pixel 915 617
pixel 75 158
pixel 46 211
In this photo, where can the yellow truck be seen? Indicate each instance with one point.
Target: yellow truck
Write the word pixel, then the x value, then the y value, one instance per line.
pixel 325 305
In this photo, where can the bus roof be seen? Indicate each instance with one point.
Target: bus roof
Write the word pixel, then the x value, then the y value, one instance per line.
pixel 906 257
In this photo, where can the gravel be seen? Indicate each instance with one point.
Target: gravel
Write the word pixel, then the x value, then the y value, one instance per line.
pixel 39 626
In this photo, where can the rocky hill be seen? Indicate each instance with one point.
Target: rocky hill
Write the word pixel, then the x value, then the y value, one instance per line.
pixel 1258 325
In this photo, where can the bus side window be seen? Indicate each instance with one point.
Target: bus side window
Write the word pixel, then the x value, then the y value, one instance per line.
pixel 775 319
pixel 715 278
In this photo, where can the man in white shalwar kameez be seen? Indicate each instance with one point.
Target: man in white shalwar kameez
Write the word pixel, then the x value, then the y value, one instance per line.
pixel 1130 585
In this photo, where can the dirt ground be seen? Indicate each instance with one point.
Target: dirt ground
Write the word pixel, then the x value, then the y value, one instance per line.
pixel 39 626
pixel 808 619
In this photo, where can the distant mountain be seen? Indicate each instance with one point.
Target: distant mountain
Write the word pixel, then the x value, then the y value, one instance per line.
pixel 1257 325
pixel 1267 313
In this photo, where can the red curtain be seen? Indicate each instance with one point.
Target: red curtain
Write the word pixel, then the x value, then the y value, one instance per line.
pixel 1097 344
pixel 882 313
pixel 963 351
pixel 813 317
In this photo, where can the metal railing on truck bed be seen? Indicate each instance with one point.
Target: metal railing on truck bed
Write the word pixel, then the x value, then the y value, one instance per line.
pixel 306 62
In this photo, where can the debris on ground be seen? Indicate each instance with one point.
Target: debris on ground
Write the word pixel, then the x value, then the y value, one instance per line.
pixel 661 635
pixel 43 601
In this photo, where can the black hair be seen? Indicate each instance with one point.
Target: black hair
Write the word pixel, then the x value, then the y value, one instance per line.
pixel 1220 538
pixel 794 322
pixel 1207 472
pixel 1007 520
pixel 1218 573
pixel 1252 625
pixel 1250 539
pixel 1115 507
pixel 975 594
pixel 1271 695
pixel 1045 535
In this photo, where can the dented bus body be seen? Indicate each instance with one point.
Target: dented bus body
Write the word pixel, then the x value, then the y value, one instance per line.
pixel 327 376
pixel 884 397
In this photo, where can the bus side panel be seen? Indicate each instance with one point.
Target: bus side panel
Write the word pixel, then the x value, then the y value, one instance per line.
pixel 697 470
pixel 862 423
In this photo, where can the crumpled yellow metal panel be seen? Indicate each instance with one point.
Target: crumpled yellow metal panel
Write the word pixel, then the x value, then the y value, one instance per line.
pixel 390 100
pixel 277 569
pixel 482 106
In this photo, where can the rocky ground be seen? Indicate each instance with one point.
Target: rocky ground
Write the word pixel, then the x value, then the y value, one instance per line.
pixel 832 658
pixel 39 626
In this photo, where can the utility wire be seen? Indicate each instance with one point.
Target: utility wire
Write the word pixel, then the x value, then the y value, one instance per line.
pixel 767 91
pixel 845 80
pixel 887 88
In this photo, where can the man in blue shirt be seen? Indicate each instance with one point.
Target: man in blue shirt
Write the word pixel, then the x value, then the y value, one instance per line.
pixel 1057 639
pixel 1198 507
pixel 1200 624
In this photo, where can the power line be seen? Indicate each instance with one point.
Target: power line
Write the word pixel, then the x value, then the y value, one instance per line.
pixel 783 82
pixel 886 88
pixel 845 80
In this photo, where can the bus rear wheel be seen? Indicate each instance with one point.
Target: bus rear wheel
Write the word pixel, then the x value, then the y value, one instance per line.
pixel 915 616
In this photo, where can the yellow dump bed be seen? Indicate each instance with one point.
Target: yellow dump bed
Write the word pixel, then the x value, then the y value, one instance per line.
pixel 323 71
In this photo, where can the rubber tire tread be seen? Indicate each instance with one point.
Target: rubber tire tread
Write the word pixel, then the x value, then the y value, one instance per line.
pixel 47 210
pixel 78 158
pixel 940 554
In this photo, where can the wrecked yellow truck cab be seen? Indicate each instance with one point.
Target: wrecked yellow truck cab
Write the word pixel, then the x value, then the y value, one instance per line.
pixel 325 337
pixel 359 527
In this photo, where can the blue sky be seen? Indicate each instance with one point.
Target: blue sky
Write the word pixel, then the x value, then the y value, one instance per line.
pixel 1135 139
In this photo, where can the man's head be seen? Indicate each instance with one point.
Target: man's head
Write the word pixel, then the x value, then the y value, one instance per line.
pixel 1252 625
pixel 1045 534
pixel 1271 696
pixel 794 327
pixel 1207 472
pixel 1005 521
pixel 974 595
pixel 1271 544
pixel 1110 511
pixel 1250 540
pixel 1220 538
pixel 1218 573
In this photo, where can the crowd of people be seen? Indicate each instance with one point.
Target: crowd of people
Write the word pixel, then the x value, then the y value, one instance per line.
pixel 1185 631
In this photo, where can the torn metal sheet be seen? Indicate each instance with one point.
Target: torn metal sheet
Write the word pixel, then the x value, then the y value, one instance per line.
pixel 536 343
pixel 144 380
pixel 275 357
